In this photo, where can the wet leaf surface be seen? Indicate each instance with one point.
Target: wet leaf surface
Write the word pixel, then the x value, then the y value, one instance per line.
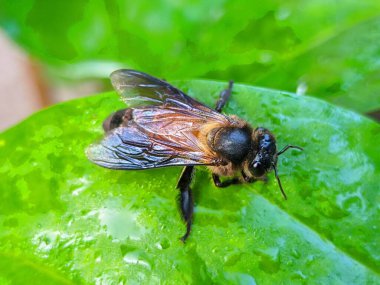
pixel 64 220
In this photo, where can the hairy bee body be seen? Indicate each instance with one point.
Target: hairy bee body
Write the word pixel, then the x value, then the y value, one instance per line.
pixel 163 126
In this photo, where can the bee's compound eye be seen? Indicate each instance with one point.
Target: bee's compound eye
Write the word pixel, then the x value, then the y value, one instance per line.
pixel 257 169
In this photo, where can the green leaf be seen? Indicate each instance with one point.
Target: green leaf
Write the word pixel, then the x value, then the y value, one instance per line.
pixel 65 220
pixel 343 70
pixel 331 48
pixel 159 36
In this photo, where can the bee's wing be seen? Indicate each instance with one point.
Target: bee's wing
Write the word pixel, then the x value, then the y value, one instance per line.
pixel 162 126
pixel 140 89
pixel 155 137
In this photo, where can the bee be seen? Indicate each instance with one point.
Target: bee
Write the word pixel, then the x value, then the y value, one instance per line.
pixel 163 126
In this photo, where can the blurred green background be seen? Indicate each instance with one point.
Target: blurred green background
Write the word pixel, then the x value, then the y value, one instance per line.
pixel 66 221
pixel 327 49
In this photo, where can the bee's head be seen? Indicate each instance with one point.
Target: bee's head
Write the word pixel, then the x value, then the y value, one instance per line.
pixel 265 150
pixel 261 164
pixel 265 154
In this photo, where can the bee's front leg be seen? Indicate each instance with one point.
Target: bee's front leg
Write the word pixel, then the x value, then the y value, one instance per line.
pixel 251 179
pixel 225 183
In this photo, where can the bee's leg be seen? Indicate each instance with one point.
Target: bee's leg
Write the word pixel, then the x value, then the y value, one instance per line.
pixel 185 198
pixel 250 179
pixel 223 98
pixel 247 178
pixel 225 183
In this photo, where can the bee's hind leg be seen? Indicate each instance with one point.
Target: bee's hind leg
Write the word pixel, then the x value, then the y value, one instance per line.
pixel 223 98
pixel 185 199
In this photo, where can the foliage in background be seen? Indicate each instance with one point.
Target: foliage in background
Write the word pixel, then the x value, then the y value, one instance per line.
pixel 64 220
pixel 329 48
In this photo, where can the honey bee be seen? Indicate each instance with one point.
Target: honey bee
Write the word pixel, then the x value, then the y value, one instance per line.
pixel 163 126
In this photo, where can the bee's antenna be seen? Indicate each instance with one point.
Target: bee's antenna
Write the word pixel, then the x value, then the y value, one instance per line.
pixel 279 181
pixel 275 168
pixel 287 147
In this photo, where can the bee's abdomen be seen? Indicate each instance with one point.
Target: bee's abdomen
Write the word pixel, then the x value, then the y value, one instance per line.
pixel 232 143
pixel 116 119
